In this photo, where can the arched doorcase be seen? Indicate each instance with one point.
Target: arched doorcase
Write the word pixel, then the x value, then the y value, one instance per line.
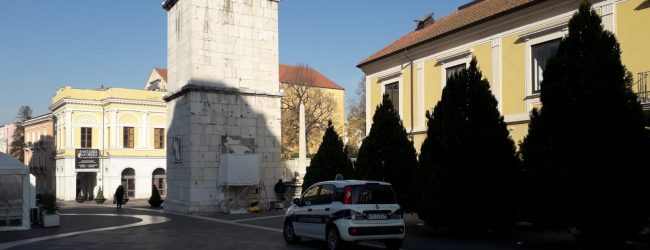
pixel 128 182
pixel 159 179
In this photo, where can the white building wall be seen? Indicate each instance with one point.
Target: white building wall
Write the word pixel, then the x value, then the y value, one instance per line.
pixel 110 176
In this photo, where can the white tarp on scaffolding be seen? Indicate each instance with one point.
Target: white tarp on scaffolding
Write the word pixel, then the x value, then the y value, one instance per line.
pixel 15 194
pixel 239 170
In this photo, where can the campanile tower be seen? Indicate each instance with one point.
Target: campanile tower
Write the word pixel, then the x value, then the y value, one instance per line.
pixel 224 99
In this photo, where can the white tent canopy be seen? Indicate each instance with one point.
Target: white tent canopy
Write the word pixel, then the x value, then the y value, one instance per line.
pixel 15 194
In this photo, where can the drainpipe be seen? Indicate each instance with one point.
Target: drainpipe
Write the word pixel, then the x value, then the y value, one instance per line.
pixel 411 63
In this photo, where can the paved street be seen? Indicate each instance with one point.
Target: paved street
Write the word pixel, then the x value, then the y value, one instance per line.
pixel 90 226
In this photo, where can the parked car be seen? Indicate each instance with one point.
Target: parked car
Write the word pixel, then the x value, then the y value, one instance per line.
pixel 345 211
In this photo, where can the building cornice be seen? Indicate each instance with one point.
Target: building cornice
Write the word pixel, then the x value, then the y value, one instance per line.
pixel 193 87
pixel 168 4
pixel 105 102
pixel 43 118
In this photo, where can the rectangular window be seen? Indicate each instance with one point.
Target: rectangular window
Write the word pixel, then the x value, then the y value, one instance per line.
pixel 541 53
pixel 373 194
pixel 129 137
pixel 86 137
pixel 310 197
pixel 159 138
pixel 454 69
pixel 392 90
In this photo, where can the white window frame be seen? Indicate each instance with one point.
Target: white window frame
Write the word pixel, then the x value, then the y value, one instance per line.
pixel 394 78
pixel 450 60
pixel 530 42
pixel 532 75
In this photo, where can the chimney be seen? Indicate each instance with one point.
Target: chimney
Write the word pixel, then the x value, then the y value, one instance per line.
pixel 424 21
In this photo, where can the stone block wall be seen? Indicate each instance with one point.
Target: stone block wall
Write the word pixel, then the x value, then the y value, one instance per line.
pixel 223 81
pixel 226 43
pixel 201 119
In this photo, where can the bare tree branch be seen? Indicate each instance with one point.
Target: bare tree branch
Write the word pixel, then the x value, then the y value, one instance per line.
pixel 320 106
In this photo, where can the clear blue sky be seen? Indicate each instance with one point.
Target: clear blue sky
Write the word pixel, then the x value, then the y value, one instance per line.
pixel 45 45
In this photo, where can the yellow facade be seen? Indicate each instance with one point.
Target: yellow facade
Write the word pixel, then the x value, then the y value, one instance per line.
pixel 39 147
pixel 337 117
pixel 140 109
pixel 502 47
pixel 104 113
pixel 633 32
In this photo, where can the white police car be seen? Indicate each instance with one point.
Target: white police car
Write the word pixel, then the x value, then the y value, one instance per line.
pixel 344 211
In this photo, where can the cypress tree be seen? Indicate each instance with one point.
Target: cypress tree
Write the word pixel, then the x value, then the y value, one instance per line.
pixel 468 160
pixel 387 154
pixel 18 138
pixel 330 160
pixel 582 147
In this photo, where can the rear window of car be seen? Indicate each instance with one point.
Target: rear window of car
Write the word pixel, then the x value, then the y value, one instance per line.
pixel 369 194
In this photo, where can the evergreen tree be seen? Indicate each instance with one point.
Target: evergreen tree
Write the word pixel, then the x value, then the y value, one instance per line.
pixel 387 154
pixel 18 138
pixel 330 160
pixel 582 147
pixel 468 160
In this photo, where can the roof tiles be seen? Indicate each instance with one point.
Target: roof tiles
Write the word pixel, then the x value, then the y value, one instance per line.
pixel 319 80
pixel 470 14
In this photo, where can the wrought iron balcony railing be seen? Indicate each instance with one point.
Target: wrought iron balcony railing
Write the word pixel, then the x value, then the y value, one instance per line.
pixel 642 87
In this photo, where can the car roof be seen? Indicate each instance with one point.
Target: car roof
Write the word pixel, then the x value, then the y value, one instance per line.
pixel 342 183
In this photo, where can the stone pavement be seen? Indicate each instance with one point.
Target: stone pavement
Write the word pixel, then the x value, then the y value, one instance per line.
pixel 136 226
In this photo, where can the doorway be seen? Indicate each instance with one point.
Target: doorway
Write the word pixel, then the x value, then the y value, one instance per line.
pixel 86 182
pixel 128 182
pixel 159 179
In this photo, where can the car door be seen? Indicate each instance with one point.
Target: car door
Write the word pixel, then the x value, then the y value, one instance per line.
pixel 302 214
pixel 322 211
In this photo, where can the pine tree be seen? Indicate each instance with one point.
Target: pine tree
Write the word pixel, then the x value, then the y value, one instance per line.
pixel 468 160
pixel 582 148
pixel 387 154
pixel 330 159
pixel 18 138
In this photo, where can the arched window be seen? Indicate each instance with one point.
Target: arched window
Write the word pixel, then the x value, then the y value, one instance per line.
pixel 128 182
pixel 159 179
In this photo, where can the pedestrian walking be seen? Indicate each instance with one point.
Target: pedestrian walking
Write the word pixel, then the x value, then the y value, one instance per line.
pixel 118 196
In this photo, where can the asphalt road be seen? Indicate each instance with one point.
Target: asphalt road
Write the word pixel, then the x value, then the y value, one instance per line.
pixel 94 227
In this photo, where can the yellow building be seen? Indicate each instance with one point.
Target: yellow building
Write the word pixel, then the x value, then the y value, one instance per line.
pixel 327 87
pixel 109 137
pixel 39 151
pixel 157 80
pixel 511 40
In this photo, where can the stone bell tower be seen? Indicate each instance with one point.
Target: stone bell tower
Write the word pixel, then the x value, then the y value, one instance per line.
pixel 223 99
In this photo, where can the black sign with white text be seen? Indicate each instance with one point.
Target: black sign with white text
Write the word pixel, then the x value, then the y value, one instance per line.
pixel 86 158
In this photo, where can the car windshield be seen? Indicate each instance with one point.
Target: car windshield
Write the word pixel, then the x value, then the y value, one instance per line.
pixel 372 194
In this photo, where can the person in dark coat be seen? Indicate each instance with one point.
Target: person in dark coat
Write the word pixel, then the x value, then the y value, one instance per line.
pixel 280 190
pixel 118 196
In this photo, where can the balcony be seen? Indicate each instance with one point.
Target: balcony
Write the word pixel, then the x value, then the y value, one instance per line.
pixel 642 90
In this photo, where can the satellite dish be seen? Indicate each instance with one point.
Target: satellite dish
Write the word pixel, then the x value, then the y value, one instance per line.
pixel 339 177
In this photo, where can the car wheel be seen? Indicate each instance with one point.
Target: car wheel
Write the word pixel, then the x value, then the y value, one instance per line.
pixel 289 233
pixel 334 241
pixel 394 244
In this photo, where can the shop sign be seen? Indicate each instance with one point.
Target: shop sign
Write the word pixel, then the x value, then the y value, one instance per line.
pixel 86 159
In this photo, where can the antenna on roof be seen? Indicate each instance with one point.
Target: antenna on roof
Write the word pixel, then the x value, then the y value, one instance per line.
pixel 424 21
pixel 339 177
